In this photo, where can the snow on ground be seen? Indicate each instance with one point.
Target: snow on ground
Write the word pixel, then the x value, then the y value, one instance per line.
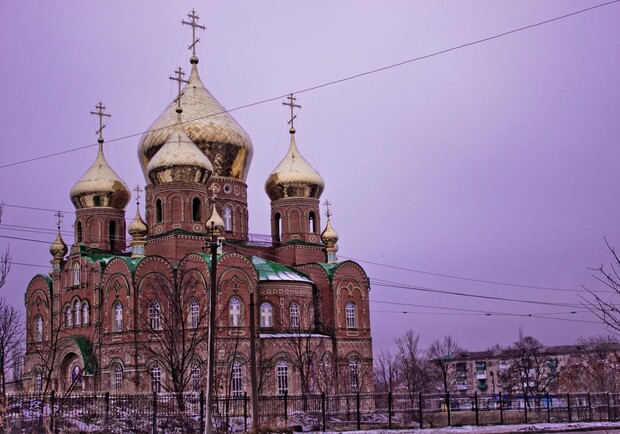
pixel 541 427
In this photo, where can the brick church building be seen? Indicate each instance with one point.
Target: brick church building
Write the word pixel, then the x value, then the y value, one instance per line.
pixel 127 308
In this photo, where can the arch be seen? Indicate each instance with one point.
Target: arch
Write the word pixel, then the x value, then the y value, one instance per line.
pixel 295 223
pixel 266 315
pixel 282 377
pixel 175 205
pixel 117 376
pixel 156 377
pixel 38 328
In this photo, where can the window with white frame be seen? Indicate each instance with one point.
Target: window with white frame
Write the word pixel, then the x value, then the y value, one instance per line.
pixel 228 219
pixel 234 312
pixel 38 328
pixel 354 374
pixel 294 315
pixel 77 309
pixel 118 317
pixel 195 376
pixel 194 313
pixel 236 380
pixel 282 377
pixel 155 315
pixel 350 315
pixel 68 316
pixel 266 315
pixel 76 273
pixel 118 377
pixel 85 313
pixel 155 378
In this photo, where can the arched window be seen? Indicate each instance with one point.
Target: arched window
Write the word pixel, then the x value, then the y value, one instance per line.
pixel 38 328
pixel 282 377
pixel 312 222
pixel 68 316
pixel 79 232
pixel 159 212
pixel 38 380
pixel 196 210
pixel 155 315
pixel 76 374
pixel 266 315
pixel 351 315
pixel 228 219
pixel 354 374
pixel 118 377
pixel 85 313
pixel 195 376
pixel 112 234
pixel 77 311
pixel 76 273
pixel 236 379
pixel 118 317
pixel 294 315
pixel 234 312
pixel 155 378
pixel 194 313
pixel 277 226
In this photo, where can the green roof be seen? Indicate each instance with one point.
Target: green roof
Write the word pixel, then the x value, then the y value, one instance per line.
pixel 270 271
pixel 105 259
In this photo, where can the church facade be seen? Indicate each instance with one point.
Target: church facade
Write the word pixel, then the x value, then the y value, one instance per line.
pixel 127 308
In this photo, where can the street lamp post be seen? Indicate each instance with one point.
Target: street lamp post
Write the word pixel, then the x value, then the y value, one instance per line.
pixel 212 300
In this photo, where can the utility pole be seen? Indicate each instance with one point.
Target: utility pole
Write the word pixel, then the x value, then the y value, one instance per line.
pixel 212 300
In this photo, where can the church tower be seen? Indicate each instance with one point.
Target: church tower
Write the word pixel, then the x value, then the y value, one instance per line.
pixel 294 188
pixel 100 198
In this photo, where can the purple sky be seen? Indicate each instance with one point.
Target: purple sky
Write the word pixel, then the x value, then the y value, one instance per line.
pixel 497 161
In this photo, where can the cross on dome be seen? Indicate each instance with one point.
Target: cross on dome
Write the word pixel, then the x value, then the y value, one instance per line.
pixel 214 191
pixel 179 78
pixel 195 25
pixel 100 112
pixel 138 190
pixel 327 204
pixel 59 217
pixel 291 103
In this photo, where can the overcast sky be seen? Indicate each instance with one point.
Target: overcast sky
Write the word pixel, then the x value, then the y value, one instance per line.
pixel 497 161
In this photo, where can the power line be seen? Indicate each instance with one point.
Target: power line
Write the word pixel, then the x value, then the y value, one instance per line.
pixel 337 81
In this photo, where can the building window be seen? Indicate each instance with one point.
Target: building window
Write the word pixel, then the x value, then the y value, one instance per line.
pixel 118 317
pixel 156 378
pixel 68 316
pixel 79 232
pixel 236 379
pixel 159 212
pixel 311 315
pixel 112 235
pixel 196 208
pixel 85 313
pixel 282 377
pixel 277 226
pixel 266 315
pixel 312 223
pixel 76 274
pixel 38 328
pixel 76 374
pixel 350 315
pixel 228 219
pixel 77 309
pixel 195 376
pixel 38 380
pixel 294 315
pixel 234 312
pixel 118 377
pixel 194 313
pixel 354 375
pixel 155 315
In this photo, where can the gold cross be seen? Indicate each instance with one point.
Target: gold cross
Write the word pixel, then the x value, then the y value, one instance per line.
pixel 137 190
pixel 195 25
pixel 292 105
pixel 327 204
pixel 100 108
pixel 214 190
pixel 59 217
pixel 179 78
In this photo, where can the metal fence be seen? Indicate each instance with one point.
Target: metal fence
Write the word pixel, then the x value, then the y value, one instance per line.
pixel 166 413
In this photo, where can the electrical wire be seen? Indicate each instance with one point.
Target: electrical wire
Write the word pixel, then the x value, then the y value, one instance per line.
pixel 334 82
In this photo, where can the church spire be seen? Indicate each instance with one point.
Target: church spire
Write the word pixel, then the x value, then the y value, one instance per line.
pixel 137 229
pixel 329 236
pixel 58 248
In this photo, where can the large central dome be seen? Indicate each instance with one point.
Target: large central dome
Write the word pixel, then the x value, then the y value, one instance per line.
pixel 208 125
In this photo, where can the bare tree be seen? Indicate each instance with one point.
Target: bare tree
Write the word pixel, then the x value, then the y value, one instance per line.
pixel 606 309
pixel 17 366
pixel 412 366
pixel 11 334
pixel 5 258
pixel 385 372
pixel 442 355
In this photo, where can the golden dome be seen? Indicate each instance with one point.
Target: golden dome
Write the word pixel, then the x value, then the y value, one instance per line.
pixel 137 228
pixel 100 186
pixel 294 177
pixel 179 160
pixel 58 248
pixel 329 236
pixel 215 222
pixel 208 125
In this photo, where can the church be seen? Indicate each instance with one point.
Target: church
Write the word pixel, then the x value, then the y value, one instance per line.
pixel 131 305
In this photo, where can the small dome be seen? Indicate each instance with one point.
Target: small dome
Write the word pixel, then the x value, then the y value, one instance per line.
pixel 137 228
pixel 179 160
pixel 216 222
pixel 329 236
pixel 294 177
pixel 58 248
pixel 216 134
pixel 100 186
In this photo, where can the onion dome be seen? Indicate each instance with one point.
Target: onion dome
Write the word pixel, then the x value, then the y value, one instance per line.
pixel 329 236
pixel 137 228
pixel 179 160
pixel 100 186
pixel 294 177
pixel 58 248
pixel 208 125
pixel 215 222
